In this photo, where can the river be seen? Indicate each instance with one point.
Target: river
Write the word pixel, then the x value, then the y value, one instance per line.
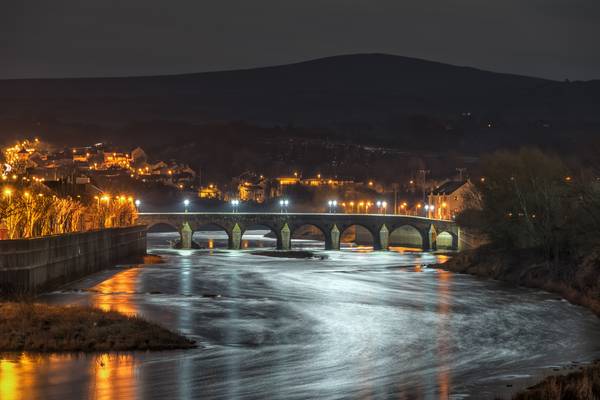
pixel 354 324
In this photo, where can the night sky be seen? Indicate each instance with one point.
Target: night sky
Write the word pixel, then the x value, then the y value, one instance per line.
pixel 555 39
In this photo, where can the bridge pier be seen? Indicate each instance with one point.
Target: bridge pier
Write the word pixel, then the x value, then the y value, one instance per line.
pixel 284 238
pixel 430 244
pixel 382 241
pixel 235 238
pixel 332 240
pixel 186 234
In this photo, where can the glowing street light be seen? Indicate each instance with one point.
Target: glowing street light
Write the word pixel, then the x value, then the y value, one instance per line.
pixel 186 204
pixel 332 206
pixel 383 206
pixel 283 204
pixel 235 204
pixel 137 203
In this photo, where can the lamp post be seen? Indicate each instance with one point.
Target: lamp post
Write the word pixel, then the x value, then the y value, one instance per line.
pixel 234 205
pixel 283 204
pixel 378 203
pixel 137 203
pixel 429 208
pixel 383 206
pixel 186 204
pixel 332 206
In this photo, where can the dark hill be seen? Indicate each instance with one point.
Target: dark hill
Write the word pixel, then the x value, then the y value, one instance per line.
pixel 392 99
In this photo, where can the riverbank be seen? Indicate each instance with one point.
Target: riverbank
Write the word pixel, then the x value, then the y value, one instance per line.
pixel 583 384
pixel 577 280
pixel 44 328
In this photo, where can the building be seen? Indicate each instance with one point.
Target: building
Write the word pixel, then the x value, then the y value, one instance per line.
pixel 114 159
pixel 448 199
pixel 256 188
pixel 210 192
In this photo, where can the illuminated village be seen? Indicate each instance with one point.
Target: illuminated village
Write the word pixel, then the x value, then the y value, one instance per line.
pixel 100 172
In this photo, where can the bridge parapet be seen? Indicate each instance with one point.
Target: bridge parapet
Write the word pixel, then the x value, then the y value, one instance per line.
pixel 283 225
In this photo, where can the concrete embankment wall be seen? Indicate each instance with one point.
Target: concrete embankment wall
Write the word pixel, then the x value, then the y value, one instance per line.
pixel 45 263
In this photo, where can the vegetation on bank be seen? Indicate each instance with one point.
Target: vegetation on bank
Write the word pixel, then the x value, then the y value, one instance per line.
pixel 582 385
pixel 46 328
pixel 535 201
pixel 33 210
pixel 542 219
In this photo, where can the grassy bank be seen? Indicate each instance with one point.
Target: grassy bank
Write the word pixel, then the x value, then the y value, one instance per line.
pixel 576 280
pixel 46 328
pixel 581 385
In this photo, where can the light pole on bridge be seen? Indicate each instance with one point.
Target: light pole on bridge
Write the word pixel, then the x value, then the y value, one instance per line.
pixel 332 206
pixel 283 204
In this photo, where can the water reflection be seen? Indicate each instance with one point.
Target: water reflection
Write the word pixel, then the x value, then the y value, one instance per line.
pixel 101 377
pixel 444 332
pixel 113 293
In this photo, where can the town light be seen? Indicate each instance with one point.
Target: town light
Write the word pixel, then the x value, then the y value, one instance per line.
pixel 234 204
pixel 332 205
pixel 283 204
pixel 138 203
pixel 186 204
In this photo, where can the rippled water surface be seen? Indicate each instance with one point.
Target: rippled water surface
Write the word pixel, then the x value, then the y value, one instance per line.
pixel 356 324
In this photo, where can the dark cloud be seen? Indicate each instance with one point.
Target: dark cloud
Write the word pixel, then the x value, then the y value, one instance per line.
pixel 550 38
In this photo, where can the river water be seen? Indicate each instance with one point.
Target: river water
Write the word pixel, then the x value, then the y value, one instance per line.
pixel 355 324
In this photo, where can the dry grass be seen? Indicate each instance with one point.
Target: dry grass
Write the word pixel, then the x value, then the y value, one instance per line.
pixel 580 385
pixel 45 328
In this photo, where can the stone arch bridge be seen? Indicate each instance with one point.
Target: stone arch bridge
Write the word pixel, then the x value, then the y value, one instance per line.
pixel 283 225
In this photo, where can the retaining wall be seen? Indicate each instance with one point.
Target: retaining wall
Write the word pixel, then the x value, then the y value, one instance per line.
pixel 45 263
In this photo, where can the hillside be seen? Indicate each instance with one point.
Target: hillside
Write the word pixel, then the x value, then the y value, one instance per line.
pixel 367 98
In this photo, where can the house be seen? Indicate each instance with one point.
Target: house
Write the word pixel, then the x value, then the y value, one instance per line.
pixel 448 199
pixel 210 192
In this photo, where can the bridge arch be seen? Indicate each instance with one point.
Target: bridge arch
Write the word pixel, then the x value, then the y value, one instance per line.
pixel 211 235
pixel 152 228
pixel 271 239
pixel 309 232
pixel 363 235
pixel 408 235
pixel 447 240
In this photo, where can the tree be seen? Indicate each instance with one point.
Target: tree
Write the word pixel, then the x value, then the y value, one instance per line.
pixel 524 200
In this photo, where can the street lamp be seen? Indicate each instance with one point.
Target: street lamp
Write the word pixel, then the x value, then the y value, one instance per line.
pixel 283 204
pixel 332 205
pixel 378 204
pixel 384 205
pixel 137 203
pixel 234 205
pixel 186 204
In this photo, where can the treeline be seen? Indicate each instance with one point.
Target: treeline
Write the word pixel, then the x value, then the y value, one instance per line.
pixel 28 212
pixel 532 200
